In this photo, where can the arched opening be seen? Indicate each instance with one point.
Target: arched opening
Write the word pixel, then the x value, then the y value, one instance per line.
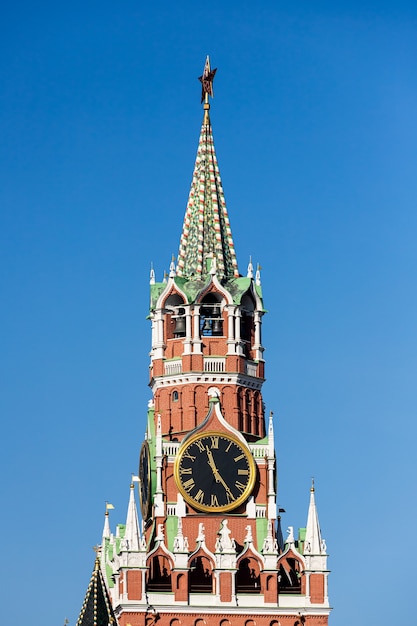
pixel 175 316
pixel 247 319
pixel 289 576
pixel 211 320
pixel 159 574
pixel 248 576
pixel 201 578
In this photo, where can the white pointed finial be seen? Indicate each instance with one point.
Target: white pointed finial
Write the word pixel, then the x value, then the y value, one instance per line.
pixel 290 533
pixel 249 537
pixel 201 535
pixel 152 275
pixel 213 267
pixel 270 545
pixel 258 275
pixel 250 269
pixel 172 270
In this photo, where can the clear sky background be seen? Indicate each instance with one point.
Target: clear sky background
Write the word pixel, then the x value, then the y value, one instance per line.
pixel 315 128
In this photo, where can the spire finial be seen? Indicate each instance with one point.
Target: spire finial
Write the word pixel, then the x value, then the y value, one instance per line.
pixel 312 485
pixel 206 80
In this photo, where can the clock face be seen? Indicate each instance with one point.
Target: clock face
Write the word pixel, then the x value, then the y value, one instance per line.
pixel 145 480
pixel 214 472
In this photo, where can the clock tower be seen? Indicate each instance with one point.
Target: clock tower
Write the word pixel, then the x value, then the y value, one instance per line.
pixel 209 550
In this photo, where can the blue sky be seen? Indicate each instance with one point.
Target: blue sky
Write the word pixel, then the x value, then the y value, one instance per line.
pixel 316 135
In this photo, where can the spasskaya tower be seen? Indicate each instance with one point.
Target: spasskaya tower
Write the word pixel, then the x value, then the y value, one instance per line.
pixel 209 549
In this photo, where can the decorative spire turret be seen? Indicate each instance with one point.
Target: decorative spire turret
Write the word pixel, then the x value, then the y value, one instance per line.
pixel 132 535
pixel 206 233
pixel 313 544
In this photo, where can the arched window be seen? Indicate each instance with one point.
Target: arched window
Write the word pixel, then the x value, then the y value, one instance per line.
pixel 159 574
pixel 289 576
pixel 201 579
pixel 175 396
pixel 175 316
pixel 248 576
pixel 211 320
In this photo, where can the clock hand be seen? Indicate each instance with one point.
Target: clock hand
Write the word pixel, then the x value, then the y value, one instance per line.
pixel 216 473
pixel 213 465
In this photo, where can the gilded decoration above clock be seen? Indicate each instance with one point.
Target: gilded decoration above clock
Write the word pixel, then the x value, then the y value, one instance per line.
pixel 215 472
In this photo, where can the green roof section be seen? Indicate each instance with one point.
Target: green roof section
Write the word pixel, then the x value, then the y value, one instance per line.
pixel 237 287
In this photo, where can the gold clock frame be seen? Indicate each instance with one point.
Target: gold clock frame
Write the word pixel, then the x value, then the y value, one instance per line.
pixel 147 505
pixel 252 472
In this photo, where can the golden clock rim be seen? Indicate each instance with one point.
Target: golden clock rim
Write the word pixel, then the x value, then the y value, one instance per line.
pixel 145 446
pixel 252 469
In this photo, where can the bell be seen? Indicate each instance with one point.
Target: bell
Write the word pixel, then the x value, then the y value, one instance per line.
pixel 180 326
pixel 206 325
pixel 216 311
pixel 217 327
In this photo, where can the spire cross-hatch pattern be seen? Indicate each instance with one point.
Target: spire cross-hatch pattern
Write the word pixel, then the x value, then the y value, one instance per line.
pixel 206 233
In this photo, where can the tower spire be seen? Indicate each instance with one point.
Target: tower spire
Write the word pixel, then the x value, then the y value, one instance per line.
pixel 132 535
pixel 206 233
pixel 313 544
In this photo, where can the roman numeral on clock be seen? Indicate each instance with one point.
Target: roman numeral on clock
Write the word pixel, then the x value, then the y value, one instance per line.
pixel 200 445
pixel 199 496
pixel 214 501
pixel 189 484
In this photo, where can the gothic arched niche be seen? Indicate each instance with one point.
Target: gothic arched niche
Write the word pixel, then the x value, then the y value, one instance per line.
pixel 159 573
pixel 289 575
pixel 200 622
pixel 175 316
pixel 247 320
pixel 225 622
pixel 175 622
pixel 248 576
pixel 201 578
pixel 211 319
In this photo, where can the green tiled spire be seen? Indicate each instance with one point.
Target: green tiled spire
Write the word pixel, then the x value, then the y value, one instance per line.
pixel 96 609
pixel 206 233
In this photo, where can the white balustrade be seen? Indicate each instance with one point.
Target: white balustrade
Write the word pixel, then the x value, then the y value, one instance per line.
pixel 251 368
pixel 214 365
pixel 173 367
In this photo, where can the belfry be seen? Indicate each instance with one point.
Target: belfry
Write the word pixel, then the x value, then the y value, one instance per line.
pixel 209 549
